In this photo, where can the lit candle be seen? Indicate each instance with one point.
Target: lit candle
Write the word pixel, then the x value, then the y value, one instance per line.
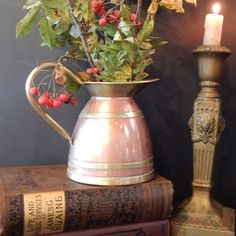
pixel 213 26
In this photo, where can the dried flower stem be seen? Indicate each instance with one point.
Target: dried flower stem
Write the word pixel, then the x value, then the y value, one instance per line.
pixel 84 43
pixel 116 6
pixel 42 82
pixel 138 12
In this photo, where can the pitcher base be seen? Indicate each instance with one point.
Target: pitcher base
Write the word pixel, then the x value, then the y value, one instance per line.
pixel 93 180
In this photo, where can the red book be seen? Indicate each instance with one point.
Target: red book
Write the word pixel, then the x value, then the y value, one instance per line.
pixel 152 228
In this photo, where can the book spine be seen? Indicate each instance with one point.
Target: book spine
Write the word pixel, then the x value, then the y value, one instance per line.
pixel 153 228
pixel 64 211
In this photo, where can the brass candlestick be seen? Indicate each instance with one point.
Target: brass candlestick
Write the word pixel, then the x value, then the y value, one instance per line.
pixel 202 215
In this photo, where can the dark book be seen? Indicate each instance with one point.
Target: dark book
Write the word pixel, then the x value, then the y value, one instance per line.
pixel 42 200
pixel 152 228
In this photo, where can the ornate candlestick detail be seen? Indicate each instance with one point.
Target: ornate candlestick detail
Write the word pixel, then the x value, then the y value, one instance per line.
pixel 202 215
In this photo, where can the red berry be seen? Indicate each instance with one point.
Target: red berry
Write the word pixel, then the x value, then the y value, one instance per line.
pixel 103 21
pixel 96 70
pixel 57 102
pixel 138 24
pixel 49 104
pixel 117 22
pixel 133 17
pixel 102 12
pixel 43 100
pixel 100 3
pixel 46 94
pixel 34 91
pixel 94 3
pixel 74 101
pixel 64 97
pixel 95 10
pixel 97 5
pixel 90 71
pixel 113 16
pixel 116 13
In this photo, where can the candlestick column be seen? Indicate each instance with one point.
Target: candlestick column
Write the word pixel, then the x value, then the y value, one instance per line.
pixel 201 215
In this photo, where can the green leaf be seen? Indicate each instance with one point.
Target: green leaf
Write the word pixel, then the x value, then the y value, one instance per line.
pixel 110 29
pixel 47 33
pixel 141 66
pixel 71 85
pixel 73 52
pixel 25 25
pixel 146 30
pixel 51 15
pixel 106 77
pixel 83 76
pixel 61 27
pixel 131 50
pixel 87 10
pixel 55 4
pixel 143 54
pixel 141 76
pixel 109 61
pixel 121 54
pixel 125 74
pixel 145 45
pixel 127 70
pixel 125 13
pixel 121 76
pixel 158 43
pixel 127 47
pixel 92 41
pixel 32 3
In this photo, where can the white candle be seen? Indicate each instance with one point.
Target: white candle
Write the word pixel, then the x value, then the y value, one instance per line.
pixel 213 26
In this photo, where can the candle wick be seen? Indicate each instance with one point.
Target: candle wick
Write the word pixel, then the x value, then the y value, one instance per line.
pixel 216 8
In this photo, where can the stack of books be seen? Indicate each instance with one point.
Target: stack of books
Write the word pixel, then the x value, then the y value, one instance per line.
pixel 41 200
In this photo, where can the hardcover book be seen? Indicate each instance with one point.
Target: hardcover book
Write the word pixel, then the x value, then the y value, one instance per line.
pixel 42 200
pixel 153 228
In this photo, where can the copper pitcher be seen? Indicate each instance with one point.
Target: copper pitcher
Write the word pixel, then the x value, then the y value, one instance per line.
pixel 110 144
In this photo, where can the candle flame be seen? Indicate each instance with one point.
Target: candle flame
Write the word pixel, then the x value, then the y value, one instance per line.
pixel 216 8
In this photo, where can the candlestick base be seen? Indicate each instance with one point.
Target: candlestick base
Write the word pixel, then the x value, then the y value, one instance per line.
pixel 203 216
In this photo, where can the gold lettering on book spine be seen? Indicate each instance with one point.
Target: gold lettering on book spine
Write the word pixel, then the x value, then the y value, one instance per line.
pixel 44 213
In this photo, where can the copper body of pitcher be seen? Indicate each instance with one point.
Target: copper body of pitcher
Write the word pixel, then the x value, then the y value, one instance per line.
pixel 110 144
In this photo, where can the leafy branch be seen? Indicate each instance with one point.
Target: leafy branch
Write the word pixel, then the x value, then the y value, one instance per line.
pixel 117 46
pixel 78 28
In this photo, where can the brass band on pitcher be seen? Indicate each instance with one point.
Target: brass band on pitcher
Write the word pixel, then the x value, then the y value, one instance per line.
pixel 110 180
pixel 110 166
pixel 111 115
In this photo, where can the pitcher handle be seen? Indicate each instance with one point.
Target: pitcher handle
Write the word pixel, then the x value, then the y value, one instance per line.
pixel 29 83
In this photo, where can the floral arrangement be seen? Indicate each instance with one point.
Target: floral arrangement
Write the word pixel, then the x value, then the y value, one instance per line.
pixel 106 36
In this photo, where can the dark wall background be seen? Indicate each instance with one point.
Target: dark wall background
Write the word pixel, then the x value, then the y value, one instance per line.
pixel 25 139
